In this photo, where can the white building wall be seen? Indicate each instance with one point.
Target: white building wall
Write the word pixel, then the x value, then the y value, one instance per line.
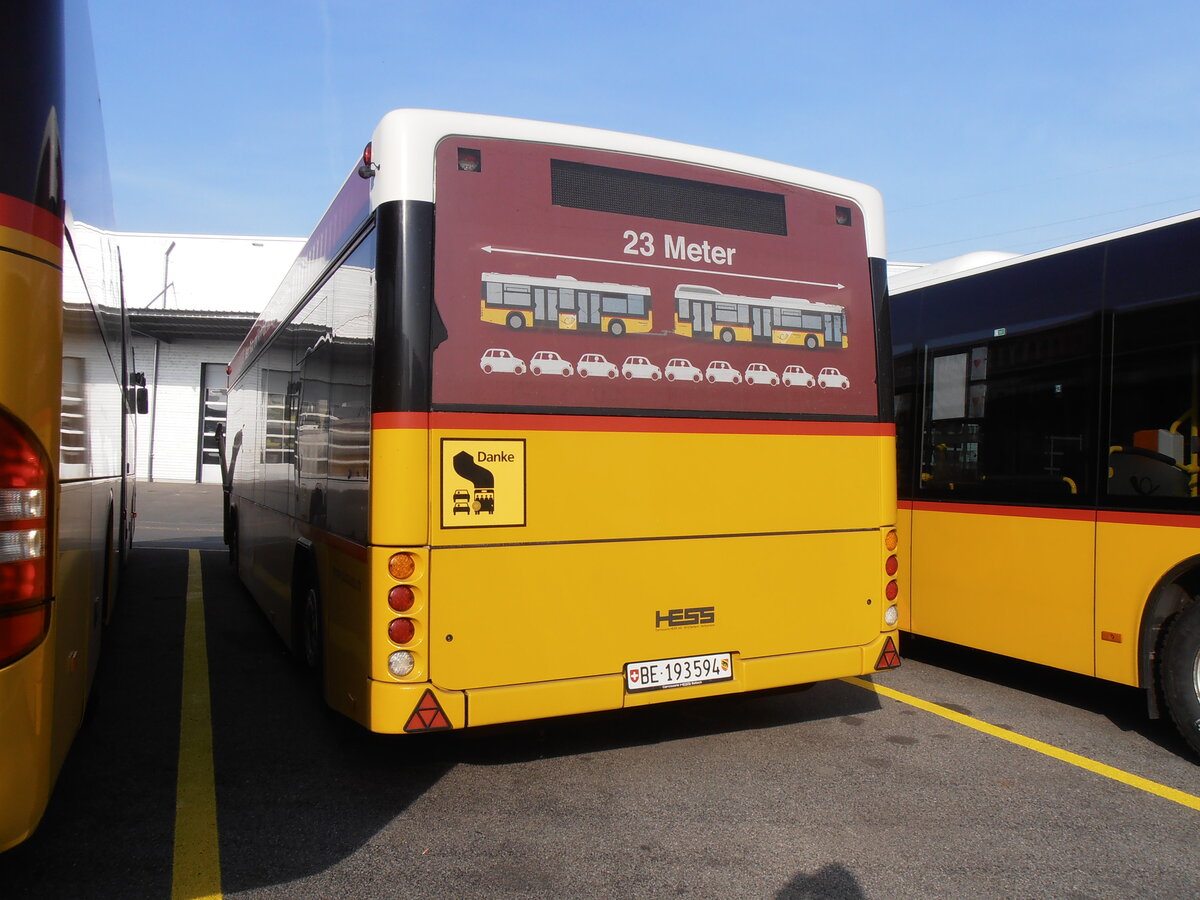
pixel 177 421
pixel 202 272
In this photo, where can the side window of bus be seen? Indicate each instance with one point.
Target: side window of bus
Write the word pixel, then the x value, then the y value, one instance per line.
pixel 1008 419
pixel 352 335
pixel 1152 452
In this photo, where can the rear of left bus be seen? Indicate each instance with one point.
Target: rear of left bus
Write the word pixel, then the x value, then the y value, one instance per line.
pixel 31 206
pixel 62 493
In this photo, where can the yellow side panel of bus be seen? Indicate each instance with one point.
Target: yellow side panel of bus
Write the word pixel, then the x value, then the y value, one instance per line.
pixel 1011 584
pixel 1132 558
pixel 25 774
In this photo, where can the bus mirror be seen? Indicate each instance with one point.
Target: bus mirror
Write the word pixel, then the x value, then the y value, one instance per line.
pixel 142 401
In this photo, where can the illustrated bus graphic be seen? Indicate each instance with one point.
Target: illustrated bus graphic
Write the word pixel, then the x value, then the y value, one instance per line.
pixel 564 303
pixel 706 313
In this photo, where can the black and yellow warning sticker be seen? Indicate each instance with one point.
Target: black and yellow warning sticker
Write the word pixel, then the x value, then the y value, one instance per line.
pixel 483 482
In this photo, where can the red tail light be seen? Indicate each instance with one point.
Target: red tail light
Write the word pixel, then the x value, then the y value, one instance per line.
pixel 24 511
pixel 401 598
pixel 401 631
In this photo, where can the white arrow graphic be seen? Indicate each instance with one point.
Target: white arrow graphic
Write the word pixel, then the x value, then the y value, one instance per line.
pixel 624 262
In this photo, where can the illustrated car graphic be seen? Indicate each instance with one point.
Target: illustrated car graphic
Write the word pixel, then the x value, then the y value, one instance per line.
pixel 640 367
pixel 832 378
pixel 798 376
pixel 719 370
pixel 681 370
pixel 497 360
pixel 547 362
pixel 593 364
pixel 462 502
pixel 758 373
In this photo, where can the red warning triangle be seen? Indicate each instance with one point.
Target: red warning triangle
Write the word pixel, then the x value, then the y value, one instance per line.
pixel 890 657
pixel 428 715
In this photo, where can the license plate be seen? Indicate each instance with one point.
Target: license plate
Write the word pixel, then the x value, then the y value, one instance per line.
pixel 657 674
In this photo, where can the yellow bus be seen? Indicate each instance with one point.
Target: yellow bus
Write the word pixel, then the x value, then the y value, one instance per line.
pixel 1047 412
pixel 521 301
pixel 66 433
pixel 705 312
pixel 513 545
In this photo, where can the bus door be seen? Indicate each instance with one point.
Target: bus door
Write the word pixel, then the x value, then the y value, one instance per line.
pixel 833 329
pixel 589 309
pixel 702 318
pixel 760 322
pixel 545 306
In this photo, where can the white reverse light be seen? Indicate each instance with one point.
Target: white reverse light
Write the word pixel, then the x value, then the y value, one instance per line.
pixel 400 663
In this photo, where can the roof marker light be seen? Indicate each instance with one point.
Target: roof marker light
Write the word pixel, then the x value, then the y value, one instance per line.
pixel 367 168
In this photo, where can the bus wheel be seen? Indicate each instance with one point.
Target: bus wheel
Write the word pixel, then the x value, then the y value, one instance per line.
pixel 516 321
pixel 616 328
pixel 308 630
pixel 810 342
pixel 1180 673
pixel 727 335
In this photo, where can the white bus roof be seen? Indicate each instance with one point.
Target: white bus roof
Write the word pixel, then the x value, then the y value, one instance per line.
pixel 700 292
pixel 566 282
pixel 986 261
pixel 404 142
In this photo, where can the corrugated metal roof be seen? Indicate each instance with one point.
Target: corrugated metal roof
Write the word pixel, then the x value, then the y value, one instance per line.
pixel 180 324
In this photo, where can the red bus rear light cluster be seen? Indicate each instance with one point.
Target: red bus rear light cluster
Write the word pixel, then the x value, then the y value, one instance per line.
pixel 402 598
pixel 24 601
pixel 891 565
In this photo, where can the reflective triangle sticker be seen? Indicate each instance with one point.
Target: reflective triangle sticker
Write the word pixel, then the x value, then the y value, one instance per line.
pixel 890 657
pixel 428 715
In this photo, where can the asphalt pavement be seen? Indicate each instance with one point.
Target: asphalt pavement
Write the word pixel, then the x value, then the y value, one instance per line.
pixel 834 791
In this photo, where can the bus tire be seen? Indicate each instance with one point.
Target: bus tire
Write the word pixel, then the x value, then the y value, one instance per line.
pixel 811 342
pixel 616 328
pixel 727 335
pixel 307 616
pixel 516 321
pixel 1180 673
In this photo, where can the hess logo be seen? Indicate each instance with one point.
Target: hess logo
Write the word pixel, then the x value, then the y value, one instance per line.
pixel 693 615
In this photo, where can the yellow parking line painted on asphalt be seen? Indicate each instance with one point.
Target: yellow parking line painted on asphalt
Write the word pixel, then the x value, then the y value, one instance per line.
pixel 1144 784
pixel 196 872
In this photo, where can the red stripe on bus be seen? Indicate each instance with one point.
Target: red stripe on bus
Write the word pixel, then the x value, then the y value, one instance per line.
pixel 349 548
pixel 1023 512
pixel 1114 517
pixel 30 219
pixel 525 422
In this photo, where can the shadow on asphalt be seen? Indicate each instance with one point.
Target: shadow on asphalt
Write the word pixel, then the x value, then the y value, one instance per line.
pixel 1122 705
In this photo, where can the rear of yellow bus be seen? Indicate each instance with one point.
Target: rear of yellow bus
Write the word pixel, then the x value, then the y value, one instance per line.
pixel 560 544
pixel 30 325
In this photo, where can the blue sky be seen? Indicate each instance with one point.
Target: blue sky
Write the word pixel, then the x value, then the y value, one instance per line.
pixel 1010 126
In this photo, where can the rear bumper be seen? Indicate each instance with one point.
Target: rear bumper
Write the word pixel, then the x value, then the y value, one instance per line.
pixel 389 708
